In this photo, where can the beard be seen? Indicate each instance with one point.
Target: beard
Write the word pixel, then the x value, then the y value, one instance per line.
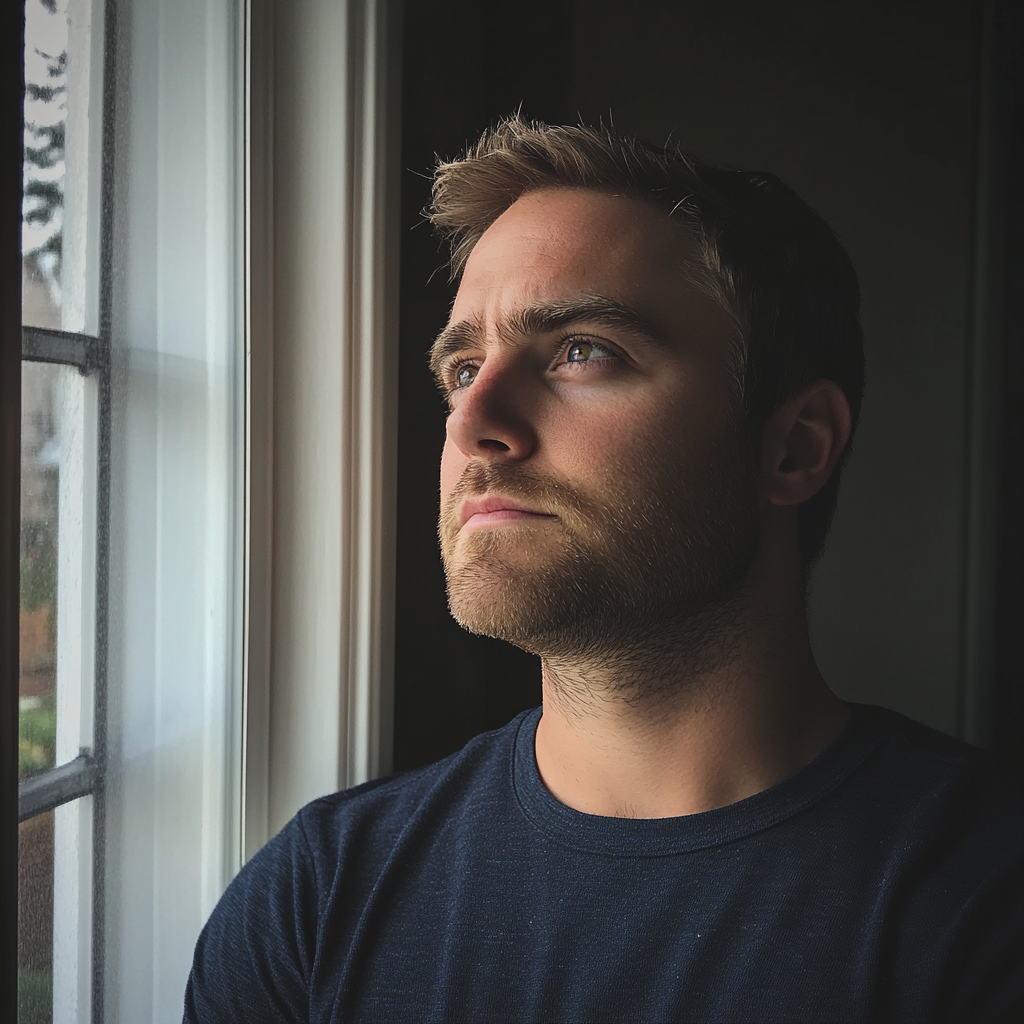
pixel 654 564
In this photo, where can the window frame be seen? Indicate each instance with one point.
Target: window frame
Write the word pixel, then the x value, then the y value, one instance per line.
pixel 89 354
pixel 83 776
pixel 319 634
pixel 12 87
pixel 351 505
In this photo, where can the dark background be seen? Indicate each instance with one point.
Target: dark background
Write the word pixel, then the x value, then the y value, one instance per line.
pixel 896 120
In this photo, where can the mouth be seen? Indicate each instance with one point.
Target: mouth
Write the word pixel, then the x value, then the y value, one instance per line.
pixel 496 510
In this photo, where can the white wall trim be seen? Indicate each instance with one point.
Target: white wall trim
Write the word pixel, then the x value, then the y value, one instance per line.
pixel 372 204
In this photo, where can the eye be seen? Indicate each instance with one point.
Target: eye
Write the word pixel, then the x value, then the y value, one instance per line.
pixel 459 375
pixel 583 351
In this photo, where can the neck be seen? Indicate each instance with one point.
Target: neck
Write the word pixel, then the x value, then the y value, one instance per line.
pixel 654 730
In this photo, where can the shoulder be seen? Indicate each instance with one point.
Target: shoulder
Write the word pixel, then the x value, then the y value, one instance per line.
pixel 257 955
pixel 357 828
pixel 946 791
pixel 921 760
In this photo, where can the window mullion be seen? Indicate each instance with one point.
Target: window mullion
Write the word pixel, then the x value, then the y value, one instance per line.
pixel 50 789
pixel 43 345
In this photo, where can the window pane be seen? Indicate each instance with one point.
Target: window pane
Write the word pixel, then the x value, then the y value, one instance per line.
pixel 60 213
pixel 57 503
pixel 54 915
pixel 35 920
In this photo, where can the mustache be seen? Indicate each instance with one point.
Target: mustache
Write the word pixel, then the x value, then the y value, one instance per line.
pixel 545 493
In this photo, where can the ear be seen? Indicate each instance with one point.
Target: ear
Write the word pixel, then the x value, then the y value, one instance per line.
pixel 802 443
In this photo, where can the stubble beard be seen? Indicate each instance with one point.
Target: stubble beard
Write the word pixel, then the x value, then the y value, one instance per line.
pixel 653 570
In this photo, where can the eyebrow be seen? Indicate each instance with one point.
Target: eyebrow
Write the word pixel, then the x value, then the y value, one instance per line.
pixel 544 318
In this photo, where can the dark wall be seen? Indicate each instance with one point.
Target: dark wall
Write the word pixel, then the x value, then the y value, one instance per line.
pixel 868 108
pixel 1008 631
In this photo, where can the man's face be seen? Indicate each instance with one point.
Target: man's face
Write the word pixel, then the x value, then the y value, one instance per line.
pixel 594 487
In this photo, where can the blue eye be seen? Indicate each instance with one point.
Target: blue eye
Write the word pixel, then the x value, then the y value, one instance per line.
pixel 465 375
pixel 584 351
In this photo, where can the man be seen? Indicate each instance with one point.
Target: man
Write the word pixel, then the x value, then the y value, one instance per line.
pixel 653 369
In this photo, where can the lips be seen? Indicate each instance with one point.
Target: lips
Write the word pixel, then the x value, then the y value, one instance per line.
pixel 491 509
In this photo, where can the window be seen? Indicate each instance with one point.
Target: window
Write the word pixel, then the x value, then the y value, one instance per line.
pixel 206 526
pixel 130 683
pixel 65 397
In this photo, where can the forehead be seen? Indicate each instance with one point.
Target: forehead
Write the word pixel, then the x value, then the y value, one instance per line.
pixel 558 244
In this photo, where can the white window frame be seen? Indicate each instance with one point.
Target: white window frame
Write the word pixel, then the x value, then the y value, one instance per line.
pixel 314 673
pixel 323 198
pixel 166 825
pixel 311 698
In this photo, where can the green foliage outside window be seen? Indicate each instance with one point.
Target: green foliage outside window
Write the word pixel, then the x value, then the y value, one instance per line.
pixel 35 997
pixel 38 565
pixel 37 736
pixel 37 716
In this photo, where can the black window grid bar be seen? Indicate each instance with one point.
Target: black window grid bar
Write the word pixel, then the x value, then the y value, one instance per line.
pixel 47 790
pixel 41 345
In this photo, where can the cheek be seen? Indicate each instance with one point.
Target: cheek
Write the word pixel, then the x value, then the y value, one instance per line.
pixel 596 449
pixel 640 444
pixel 628 430
pixel 453 462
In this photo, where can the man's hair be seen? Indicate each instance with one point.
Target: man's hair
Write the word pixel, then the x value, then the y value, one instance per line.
pixel 765 256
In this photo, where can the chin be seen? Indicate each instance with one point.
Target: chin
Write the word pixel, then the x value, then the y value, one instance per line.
pixel 507 600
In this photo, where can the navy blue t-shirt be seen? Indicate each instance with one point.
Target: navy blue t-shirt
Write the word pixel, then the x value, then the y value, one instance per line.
pixel 884 882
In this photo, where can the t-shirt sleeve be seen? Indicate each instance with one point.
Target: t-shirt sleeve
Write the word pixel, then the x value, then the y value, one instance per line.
pixel 254 958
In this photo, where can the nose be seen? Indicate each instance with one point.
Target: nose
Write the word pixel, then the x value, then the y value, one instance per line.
pixel 491 417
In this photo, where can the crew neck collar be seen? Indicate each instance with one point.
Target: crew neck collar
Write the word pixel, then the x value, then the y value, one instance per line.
pixel 660 837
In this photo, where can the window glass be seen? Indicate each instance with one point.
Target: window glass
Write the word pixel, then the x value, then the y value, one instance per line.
pixel 40 470
pixel 35 920
pixel 60 212
pixel 54 914
pixel 56 597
